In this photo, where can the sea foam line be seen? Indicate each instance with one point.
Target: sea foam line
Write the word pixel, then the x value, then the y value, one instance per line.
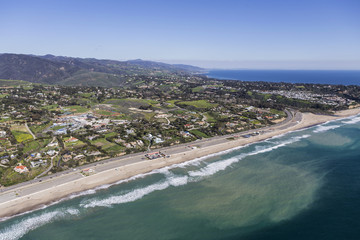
pixel 19 229
pixel 22 227
pixel 352 120
pixel 194 162
pixel 176 180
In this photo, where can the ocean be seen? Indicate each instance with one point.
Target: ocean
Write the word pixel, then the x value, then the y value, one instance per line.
pixel 344 77
pixel 301 185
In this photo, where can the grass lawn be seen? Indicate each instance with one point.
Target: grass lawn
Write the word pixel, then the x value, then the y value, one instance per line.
pixel 77 109
pixel 115 149
pixel 280 113
pixel 7 83
pixel 57 127
pixel 171 103
pixel 78 143
pixel 197 89
pixel 39 128
pixel 198 133
pixel 36 145
pixel 51 107
pixel 131 102
pixel 106 113
pixel 103 143
pixel 31 146
pixel 86 95
pixel 199 104
pixel 112 134
pixel 148 116
pixel 210 118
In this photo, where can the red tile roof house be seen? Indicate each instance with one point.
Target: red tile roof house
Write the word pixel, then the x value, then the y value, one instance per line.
pixel 21 169
pixel 72 139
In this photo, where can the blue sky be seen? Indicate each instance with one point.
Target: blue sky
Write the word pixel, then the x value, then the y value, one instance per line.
pixel 289 34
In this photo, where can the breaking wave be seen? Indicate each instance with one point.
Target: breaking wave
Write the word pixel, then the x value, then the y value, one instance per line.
pixel 22 227
pixel 325 128
pixel 19 229
pixel 138 193
pixel 352 120
pixel 176 180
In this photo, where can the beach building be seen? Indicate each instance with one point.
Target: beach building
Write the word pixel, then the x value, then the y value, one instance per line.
pixel 88 171
pixel 154 155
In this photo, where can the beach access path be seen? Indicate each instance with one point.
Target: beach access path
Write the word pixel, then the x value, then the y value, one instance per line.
pixel 35 193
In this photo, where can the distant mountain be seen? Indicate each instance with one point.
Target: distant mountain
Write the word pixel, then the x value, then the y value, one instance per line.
pixel 34 69
pixel 60 70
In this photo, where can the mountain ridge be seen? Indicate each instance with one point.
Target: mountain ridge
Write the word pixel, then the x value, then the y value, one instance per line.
pixel 50 69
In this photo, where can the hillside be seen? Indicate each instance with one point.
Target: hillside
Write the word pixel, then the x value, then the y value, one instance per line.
pixel 51 69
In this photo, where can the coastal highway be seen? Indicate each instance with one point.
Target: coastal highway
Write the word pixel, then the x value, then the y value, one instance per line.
pixel 57 179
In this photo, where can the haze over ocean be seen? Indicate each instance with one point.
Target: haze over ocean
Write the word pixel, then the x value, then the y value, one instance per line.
pixel 344 77
pixel 302 185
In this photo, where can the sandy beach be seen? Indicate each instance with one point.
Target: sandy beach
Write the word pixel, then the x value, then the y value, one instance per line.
pixel 34 194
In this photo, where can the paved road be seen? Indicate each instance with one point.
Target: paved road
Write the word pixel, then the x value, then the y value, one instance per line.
pixel 72 174
pixel 32 134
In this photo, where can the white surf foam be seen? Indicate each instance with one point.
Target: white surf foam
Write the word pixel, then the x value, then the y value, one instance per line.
pixel 175 180
pixel 322 128
pixel 22 227
pixel 128 197
pixel 215 167
pixel 352 120
pixel 138 193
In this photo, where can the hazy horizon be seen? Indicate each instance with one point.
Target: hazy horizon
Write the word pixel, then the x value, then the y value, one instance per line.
pixel 211 34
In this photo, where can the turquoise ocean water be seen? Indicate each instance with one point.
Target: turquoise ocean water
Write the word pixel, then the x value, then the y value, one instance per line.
pixel 302 185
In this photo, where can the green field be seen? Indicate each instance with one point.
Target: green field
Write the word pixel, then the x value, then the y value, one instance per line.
pixel 35 145
pixel 171 103
pixel 20 133
pixel 51 107
pixel 57 127
pixel 280 113
pixel 198 133
pixel 115 149
pixel 31 146
pixel 112 134
pixel 21 136
pixel 9 83
pixel 106 113
pixel 210 118
pixel 39 128
pixel 197 89
pixel 103 143
pixel 73 144
pixel 131 102
pixel 199 104
pixel 77 109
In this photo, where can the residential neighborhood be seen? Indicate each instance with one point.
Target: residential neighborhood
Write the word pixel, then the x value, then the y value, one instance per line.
pixel 45 129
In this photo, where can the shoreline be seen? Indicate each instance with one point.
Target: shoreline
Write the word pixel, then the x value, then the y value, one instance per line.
pixel 35 195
